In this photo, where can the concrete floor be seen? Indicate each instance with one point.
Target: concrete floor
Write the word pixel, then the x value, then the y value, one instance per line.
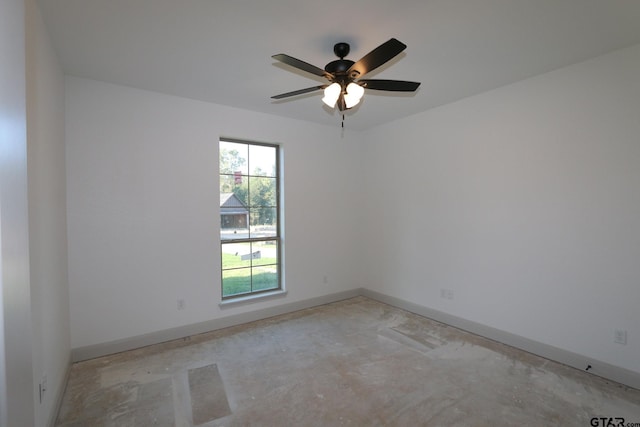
pixel 356 362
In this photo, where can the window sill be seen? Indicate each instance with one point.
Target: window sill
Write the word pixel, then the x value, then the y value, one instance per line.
pixel 248 299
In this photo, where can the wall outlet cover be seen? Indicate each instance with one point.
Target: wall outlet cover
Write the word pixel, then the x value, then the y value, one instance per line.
pixel 620 336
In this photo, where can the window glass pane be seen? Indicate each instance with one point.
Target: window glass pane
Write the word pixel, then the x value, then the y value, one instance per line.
pixel 236 185
pixel 234 215
pixel 233 224
pixel 263 192
pixel 263 222
pixel 234 255
pixel 234 157
pixel 263 160
pixel 267 253
pixel 265 278
pixel 235 282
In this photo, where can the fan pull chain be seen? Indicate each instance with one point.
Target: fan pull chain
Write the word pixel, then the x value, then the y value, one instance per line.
pixel 343 121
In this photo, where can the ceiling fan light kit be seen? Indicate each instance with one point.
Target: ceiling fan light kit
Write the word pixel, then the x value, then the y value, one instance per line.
pixel 331 94
pixel 346 86
pixel 353 94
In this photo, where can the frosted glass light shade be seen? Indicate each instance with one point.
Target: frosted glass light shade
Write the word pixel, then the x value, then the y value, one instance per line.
pixel 331 94
pixel 353 95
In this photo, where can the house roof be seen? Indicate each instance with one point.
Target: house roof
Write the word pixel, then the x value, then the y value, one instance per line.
pixel 230 204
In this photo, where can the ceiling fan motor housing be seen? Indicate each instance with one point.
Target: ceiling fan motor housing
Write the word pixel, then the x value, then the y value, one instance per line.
pixel 339 67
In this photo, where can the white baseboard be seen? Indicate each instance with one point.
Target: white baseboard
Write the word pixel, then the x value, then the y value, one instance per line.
pixel 599 368
pixel 92 351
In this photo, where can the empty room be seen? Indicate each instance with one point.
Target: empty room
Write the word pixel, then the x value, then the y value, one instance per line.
pixel 219 213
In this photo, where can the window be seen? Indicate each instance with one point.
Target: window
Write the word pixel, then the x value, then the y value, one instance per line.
pixel 249 218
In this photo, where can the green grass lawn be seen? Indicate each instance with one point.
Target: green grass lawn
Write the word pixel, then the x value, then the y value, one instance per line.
pixel 237 275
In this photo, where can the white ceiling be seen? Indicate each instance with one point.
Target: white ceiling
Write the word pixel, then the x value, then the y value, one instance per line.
pixel 220 50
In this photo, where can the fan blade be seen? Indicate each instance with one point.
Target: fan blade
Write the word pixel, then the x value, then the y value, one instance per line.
pixel 391 85
pixel 298 92
pixel 301 65
pixel 377 57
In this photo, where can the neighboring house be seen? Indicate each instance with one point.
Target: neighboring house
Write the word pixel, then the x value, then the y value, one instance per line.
pixel 233 213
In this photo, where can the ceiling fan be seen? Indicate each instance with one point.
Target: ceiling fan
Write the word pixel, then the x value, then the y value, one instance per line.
pixel 346 86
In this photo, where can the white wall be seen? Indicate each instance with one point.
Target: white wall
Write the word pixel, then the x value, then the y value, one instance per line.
pixel 142 192
pixel 525 202
pixel 47 218
pixel 16 403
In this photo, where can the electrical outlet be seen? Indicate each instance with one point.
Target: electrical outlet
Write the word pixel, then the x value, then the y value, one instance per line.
pixel 446 293
pixel 181 304
pixel 325 279
pixel 620 336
